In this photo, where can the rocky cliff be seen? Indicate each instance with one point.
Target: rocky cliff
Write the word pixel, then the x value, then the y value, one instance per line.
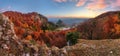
pixel 9 42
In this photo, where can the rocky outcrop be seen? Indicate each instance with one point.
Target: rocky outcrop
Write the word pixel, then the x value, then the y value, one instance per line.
pixel 9 43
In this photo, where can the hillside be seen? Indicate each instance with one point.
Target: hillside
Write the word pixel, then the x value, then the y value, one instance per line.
pixel 33 26
pixel 27 34
pixel 111 47
pixel 102 34
pixel 12 45
pixel 104 26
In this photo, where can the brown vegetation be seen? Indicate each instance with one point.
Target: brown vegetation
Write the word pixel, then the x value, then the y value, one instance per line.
pixel 105 26
pixel 29 26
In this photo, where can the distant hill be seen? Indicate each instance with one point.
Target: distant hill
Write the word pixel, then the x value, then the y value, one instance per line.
pixel 68 21
pixel 104 26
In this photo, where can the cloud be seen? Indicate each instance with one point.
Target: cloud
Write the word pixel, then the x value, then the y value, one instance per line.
pixel 5 9
pixel 59 1
pixel 97 5
pixel 94 4
pixel 102 4
pixel 81 3
pixel 115 4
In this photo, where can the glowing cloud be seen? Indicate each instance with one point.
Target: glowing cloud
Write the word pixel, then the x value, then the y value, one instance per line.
pixel 81 3
pixel 59 1
pixel 96 5
pixel 115 4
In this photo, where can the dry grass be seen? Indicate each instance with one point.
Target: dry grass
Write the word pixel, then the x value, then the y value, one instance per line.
pixel 108 47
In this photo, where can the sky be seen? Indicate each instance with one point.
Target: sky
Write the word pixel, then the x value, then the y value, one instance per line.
pixel 61 8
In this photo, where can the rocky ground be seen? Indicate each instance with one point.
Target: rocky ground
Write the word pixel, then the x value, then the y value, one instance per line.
pixel 108 47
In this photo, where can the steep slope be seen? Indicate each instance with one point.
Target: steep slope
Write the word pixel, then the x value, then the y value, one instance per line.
pixel 11 45
pixel 9 42
pixel 25 24
pixel 104 26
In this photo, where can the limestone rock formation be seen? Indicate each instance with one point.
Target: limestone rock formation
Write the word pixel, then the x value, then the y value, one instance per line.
pixel 9 43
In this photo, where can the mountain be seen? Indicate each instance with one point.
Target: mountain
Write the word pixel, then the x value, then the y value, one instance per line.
pixel 34 26
pixel 12 45
pixel 104 26
pixel 27 35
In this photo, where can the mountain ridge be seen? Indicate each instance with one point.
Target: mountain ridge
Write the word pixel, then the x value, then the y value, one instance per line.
pixel 104 26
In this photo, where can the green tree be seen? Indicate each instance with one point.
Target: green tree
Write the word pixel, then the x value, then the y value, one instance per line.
pixel 72 37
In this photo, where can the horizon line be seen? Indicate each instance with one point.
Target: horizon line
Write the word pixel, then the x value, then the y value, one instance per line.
pixel 68 17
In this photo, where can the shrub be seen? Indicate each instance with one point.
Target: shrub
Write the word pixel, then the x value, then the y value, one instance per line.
pixel 72 37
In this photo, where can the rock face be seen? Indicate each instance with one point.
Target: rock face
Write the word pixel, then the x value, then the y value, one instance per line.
pixel 8 40
pixel 105 26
